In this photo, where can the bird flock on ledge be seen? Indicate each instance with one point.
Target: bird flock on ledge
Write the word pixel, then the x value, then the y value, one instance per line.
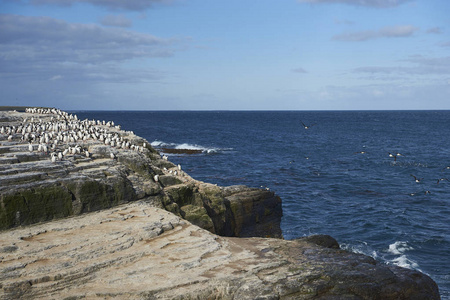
pixel 64 135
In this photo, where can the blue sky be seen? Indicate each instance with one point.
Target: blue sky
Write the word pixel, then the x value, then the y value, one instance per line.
pixel 225 55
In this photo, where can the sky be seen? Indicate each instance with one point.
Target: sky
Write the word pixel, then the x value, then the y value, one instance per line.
pixel 225 55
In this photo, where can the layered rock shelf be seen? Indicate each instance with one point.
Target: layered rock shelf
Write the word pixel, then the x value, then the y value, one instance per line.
pixel 88 210
pixel 53 165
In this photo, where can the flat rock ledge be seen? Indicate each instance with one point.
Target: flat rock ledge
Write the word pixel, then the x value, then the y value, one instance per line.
pixel 132 225
pixel 137 251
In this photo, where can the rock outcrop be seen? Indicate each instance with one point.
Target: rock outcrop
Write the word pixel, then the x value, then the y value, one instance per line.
pixel 53 165
pixel 127 223
pixel 137 251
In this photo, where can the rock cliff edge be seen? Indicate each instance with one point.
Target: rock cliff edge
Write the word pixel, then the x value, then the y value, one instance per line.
pixel 88 210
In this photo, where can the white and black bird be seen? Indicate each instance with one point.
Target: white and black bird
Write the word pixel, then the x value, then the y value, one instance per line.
pixel 307 126
pixel 393 156
pixel 441 179
pixel 416 178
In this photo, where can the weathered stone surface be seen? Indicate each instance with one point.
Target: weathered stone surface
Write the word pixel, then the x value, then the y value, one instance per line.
pixel 136 251
pixel 140 239
pixel 35 189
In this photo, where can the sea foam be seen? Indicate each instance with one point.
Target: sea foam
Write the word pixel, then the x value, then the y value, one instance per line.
pixel 400 248
pixel 187 146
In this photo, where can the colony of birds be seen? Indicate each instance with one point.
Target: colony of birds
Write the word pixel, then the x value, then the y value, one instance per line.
pixel 58 135
pixel 64 135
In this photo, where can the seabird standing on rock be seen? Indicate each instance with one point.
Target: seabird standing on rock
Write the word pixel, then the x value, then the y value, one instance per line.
pixel 156 178
pixel 112 155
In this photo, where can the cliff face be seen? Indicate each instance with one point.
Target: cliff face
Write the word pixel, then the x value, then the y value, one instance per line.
pixel 128 223
pixel 53 165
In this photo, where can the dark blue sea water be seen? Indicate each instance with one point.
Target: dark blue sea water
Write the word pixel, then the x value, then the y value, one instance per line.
pixel 368 201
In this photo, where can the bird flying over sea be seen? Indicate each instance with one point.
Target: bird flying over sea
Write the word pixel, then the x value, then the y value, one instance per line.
pixel 416 178
pixel 307 126
pixel 442 179
pixel 393 155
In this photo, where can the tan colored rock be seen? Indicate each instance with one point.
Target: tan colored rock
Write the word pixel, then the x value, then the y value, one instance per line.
pixel 123 242
pixel 136 251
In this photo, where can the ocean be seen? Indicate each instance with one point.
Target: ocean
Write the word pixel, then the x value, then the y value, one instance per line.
pixel 377 181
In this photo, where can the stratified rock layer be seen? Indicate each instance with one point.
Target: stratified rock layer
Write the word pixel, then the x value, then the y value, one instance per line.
pixel 125 224
pixel 119 167
pixel 136 251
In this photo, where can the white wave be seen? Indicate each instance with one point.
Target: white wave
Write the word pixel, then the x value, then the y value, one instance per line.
pixel 403 261
pixel 157 144
pixel 399 247
pixel 187 146
pixel 362 248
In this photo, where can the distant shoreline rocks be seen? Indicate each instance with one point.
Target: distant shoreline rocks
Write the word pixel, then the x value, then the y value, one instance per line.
pixel 180 151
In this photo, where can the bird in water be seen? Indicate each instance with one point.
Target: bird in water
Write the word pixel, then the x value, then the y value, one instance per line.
pixel 307 126
pixel 393 155
pixel 441 179
pixel 416 179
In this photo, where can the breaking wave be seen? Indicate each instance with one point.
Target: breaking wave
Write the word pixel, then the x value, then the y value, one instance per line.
pixel 398 249
pixel 189 148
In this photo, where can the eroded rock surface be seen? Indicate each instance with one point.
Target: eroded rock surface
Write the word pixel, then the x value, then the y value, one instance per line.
pixel 124 225
pixel 53 165
pixel 136 251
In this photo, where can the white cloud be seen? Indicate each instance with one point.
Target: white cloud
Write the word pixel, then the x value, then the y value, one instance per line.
pixel 116 21
pixel 132 5
pixel 418 65
pixel 44 59
pixel 40 47
pixel 386 32
pixel 369 3
pixel 299 70
pixel 56 77
pixel 436 30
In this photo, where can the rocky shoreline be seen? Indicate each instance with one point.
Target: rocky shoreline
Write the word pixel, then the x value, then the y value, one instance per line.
pixel 90 210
